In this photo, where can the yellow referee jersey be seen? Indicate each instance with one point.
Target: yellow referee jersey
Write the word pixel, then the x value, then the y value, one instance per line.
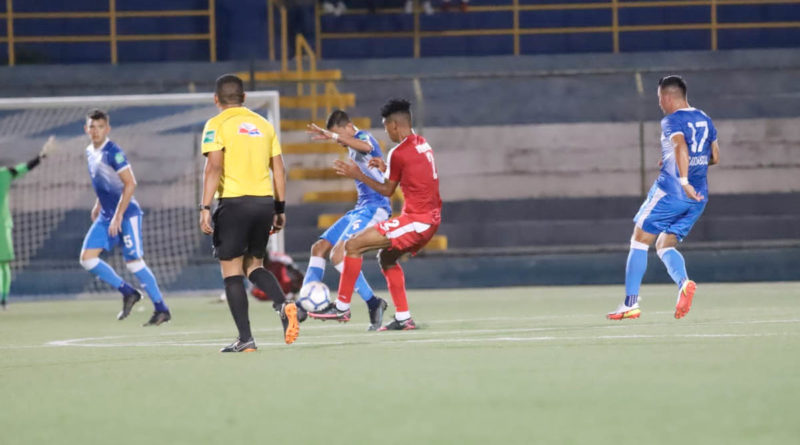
pixel 248 142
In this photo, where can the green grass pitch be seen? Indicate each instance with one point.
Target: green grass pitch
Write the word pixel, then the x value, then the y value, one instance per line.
pixel 489 366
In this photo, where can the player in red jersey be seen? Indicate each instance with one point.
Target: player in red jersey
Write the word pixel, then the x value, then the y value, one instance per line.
pixel 410 164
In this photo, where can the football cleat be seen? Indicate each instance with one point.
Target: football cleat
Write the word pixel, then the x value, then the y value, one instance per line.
pixel 240 346
pixel 127 304
pixel 331 312
pixel 158 318
pixel 376 315
pixel 3 304
pixel 397 325
pixel 625 312
pixel 685 298
pixel 291 326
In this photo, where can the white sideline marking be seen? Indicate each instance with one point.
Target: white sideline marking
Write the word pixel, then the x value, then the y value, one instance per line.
pixel 364 338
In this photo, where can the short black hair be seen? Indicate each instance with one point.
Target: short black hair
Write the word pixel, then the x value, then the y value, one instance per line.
pixel 97 114
pixel 673 81
pixel 337 119
pixel 230 90
pixel 397 106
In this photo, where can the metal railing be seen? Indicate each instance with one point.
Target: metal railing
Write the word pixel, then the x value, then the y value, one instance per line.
pixel 113 37
pixel 713 25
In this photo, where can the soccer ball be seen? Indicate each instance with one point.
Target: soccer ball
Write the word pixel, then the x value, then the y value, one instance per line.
pixel 314 296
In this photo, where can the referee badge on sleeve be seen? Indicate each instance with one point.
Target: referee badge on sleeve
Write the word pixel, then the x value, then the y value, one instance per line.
pixel 209 136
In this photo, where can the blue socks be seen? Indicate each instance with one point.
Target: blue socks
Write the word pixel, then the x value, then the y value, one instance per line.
pixel 634 271
pixel 104 272
pixel 149 283
pixel 676 266
pixel 316 270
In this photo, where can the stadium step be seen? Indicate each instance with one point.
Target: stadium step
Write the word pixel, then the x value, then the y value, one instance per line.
pixel 438 242
pixel 331 196
pixel 292 76
pixel 340 100
pixel 300 124
pixel 326 220
pixel 305 148
pixel 299 174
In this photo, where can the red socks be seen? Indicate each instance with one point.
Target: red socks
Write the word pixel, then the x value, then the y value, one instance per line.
pixel 397 287
pixel 352 267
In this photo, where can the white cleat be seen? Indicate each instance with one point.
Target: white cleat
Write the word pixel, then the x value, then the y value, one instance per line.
pixel 624 312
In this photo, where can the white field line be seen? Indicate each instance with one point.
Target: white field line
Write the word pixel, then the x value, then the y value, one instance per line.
pixel 364 338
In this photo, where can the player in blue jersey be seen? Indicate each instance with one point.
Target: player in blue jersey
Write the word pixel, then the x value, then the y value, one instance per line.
pixel 371 208
pixel 676 200
pixel 117 221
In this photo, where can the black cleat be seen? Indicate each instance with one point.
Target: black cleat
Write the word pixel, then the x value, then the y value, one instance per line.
pixel 302 314
pixel 331 312
pixel 2 304
pixel 395 325
pixel 376 315
pixel 158 318
pixel 240 346
pixel 127 304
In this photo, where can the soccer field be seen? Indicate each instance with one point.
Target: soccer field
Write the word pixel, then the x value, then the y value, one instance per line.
pixel 502 365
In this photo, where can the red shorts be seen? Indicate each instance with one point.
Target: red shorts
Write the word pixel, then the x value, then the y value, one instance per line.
pixel 409 233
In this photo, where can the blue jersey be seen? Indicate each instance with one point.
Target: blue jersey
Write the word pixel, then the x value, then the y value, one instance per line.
pixel 105 164
pixel 366 195
pixel 699 133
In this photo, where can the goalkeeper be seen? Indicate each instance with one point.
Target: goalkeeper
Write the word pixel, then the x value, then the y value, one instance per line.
pixel 8 174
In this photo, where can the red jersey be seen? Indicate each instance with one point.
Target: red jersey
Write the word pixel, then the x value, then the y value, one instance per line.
pixel 411 164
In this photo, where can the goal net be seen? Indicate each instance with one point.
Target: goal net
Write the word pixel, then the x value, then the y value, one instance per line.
pixel 160 135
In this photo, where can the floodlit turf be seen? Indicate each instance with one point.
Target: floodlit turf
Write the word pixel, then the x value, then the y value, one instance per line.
pixel 489 366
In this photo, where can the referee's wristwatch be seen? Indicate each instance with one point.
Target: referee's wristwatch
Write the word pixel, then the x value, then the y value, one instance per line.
pixel 202 207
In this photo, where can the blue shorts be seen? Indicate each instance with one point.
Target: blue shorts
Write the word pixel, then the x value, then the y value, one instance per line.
pixel 130 238
pixel 353 222
pixel 661 212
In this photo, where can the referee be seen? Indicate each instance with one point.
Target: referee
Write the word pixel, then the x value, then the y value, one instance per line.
pixel 240 148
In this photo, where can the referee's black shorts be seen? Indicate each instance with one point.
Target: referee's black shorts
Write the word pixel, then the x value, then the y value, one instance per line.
pixel 241 226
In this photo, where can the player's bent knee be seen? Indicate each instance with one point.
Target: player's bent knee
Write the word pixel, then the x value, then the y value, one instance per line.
pixel 320 248
pixel 89 263
pixel 386 259
pixel 135 266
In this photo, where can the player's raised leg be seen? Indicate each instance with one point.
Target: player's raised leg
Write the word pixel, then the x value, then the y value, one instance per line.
pixel 97 240
pixel 368 239
pixel 676 267
pixel 376 306
pixel 635 268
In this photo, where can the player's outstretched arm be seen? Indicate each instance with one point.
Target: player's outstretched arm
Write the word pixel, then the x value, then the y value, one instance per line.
pixel 714 154
pixel 351 170
pixel 320 134
pixel 20 170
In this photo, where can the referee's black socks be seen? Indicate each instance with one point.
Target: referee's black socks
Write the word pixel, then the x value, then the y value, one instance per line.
pixel 266 281
pixel 237 302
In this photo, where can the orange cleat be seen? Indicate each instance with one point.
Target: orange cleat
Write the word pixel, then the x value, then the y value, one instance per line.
pixel 625 312
pixel 291 326
pixel 685 298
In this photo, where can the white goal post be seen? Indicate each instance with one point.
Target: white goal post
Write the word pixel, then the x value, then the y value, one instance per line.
pixel 160 134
